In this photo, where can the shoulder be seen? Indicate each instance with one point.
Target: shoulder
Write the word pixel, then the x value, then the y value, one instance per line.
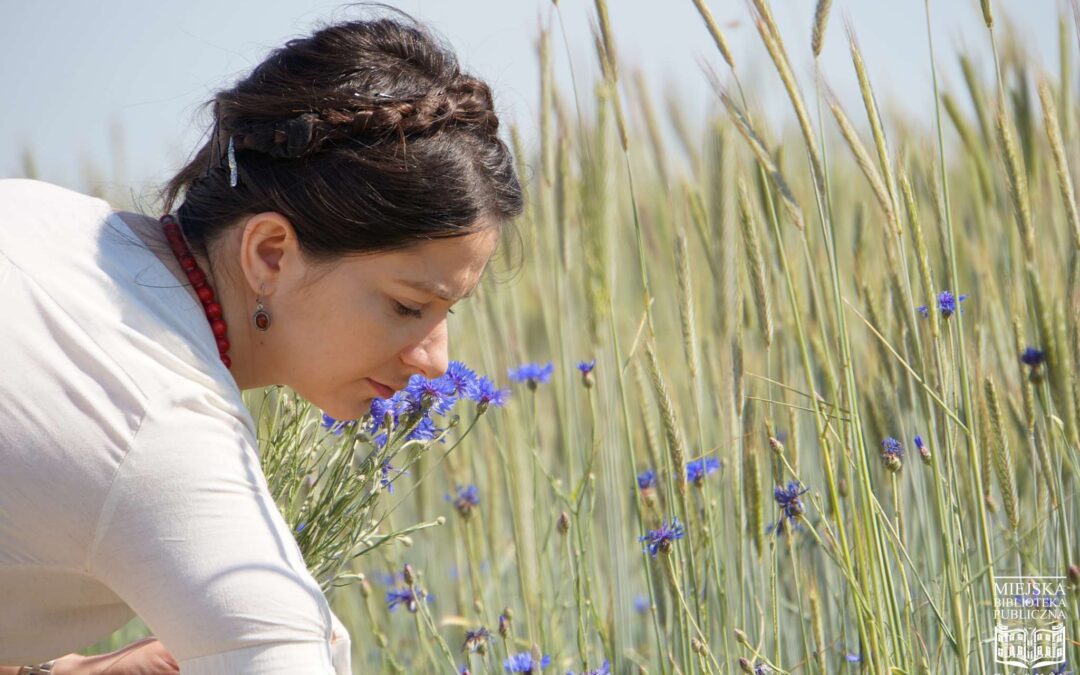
pixel 31 192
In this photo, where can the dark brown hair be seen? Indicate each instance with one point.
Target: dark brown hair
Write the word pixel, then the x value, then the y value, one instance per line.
pixel 366 135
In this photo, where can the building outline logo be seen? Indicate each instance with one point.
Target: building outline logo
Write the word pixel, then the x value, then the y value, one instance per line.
pixel 1029 621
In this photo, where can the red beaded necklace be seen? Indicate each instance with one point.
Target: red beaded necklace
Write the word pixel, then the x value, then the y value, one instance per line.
pixel 198 279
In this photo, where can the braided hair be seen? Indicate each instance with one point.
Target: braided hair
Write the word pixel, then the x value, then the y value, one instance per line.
pixel 366 135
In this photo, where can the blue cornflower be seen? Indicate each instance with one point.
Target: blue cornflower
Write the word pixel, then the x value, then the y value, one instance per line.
pixel 385 481
pixel 463 379
pixel 532 374
pixel 300 527
pixel 467 498
pixel 699 468
pixel 440 392
pixel 602 670
pixel 425 430
pixel 660 540
pixel 924 450
pixel 783 526
pixel 487 394
pixel 407 597
pixel 1060 670
pixel 853 658
pixel 641 604
pixel 1033 357
pixel 788 499
pixel 646 480
pixel 336 426
pixel 378 410
pixel 390 578
pixel 893 453
pixel 476 639
pixel 587 372
pixel 947 303
pixel 523 663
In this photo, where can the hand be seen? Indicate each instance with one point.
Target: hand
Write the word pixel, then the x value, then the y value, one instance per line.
pixel 143 657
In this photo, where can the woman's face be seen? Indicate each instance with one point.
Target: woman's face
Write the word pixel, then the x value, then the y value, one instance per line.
pixel 373 317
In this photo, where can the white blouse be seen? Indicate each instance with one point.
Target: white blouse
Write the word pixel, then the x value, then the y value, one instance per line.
pixel 130 481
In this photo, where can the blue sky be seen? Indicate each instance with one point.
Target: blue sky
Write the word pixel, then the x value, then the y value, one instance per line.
pixel 75 72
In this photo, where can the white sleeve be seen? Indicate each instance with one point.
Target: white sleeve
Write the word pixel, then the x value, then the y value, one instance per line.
pixel 191 539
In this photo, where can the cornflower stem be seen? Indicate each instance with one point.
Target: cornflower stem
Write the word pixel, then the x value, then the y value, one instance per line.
pixel 828 462
pixel 673 580
pixel 898 543
pixel 509 470
pixel 719 577
pixel 534 447
pixel 984 527
pixel 823 203
pixel 421 626
pixel 612 79
pixel 467 526
pixel 796 576
pixel 628 444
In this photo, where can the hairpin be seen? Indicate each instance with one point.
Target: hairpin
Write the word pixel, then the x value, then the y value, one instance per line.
pixel 232 162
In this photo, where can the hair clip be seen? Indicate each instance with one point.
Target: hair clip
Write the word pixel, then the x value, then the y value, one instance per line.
pixel 232 163
pixel 383 94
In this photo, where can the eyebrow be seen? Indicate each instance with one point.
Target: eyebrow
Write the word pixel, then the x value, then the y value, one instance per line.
pixel 435 289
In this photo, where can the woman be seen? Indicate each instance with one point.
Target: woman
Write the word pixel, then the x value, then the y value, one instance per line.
pixel 353 189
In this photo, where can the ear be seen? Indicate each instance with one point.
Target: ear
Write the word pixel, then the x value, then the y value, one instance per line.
pixel 269 252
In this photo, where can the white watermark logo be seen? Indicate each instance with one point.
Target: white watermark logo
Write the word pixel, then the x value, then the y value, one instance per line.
pixel 1029 621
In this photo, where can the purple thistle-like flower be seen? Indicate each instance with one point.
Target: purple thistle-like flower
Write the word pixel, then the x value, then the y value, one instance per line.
pixel 487 394
pixel 853 658
pixel 1033 357
pixel 697 470
pixel 467 498
pixel 646 480
pixel 523 663
pixel 661 539
pixel 532 373
pixel 788 499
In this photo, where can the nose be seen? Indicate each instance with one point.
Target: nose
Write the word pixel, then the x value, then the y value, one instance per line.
pixel 430 356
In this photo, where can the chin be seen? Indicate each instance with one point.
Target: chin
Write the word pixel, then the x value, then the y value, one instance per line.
pixel 355 413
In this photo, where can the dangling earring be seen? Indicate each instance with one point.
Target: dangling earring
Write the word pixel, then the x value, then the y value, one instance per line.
pixel 261 317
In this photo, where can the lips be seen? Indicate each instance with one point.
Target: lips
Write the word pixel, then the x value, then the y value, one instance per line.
pixel 381 389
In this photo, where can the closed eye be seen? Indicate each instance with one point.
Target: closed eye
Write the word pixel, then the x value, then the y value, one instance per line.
pixel 409 311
